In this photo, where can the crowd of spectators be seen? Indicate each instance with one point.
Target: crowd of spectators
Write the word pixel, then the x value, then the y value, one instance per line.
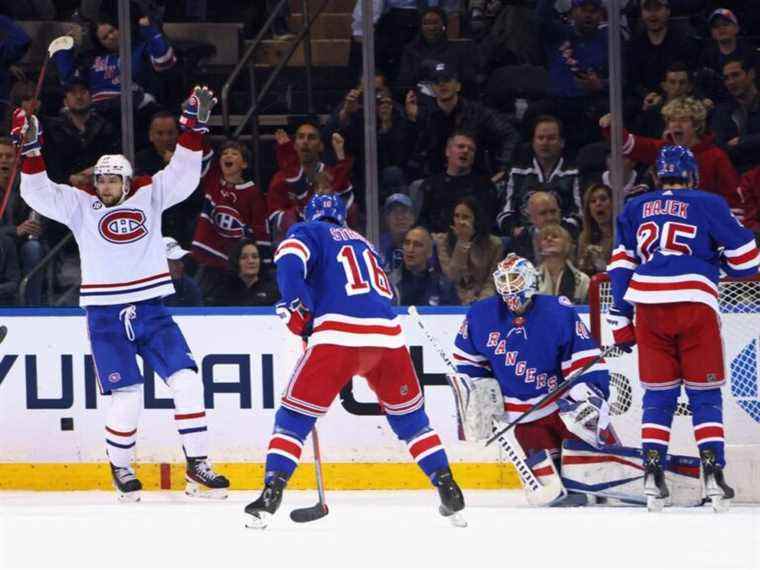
pixel 486 145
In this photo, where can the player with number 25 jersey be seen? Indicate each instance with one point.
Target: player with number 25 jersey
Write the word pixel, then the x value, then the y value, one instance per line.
pixel 335 293
pixel 671 246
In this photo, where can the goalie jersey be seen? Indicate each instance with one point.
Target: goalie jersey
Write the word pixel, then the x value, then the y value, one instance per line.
pixel 529 354
pixel 336 273
pixel 671 247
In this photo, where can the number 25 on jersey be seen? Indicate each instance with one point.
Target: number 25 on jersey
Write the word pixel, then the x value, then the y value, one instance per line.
pixel 672 240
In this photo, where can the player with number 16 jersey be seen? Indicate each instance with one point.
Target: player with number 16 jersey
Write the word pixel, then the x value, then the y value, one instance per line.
pixel 335 293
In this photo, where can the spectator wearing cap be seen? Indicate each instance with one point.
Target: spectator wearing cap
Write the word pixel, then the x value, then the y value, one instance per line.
pixel 547 167
pixel 434 124
pixel 393 147
pixel 186 291
pixel 397 22
pixel 652 50
pixel 247 284
pixel 77 137
pixel 416 281
pixel 725 45
pixel 686 120
pixel 736 122
pixel 432 44
pixel 399 219
pixel 440 193
pixel 576 54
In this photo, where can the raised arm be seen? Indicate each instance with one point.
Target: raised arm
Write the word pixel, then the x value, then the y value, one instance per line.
pixel 55 201
pixel 179 179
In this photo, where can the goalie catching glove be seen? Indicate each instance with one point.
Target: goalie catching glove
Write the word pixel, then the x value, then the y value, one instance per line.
pixel 478 401
pixel 585 413
pixel 197 110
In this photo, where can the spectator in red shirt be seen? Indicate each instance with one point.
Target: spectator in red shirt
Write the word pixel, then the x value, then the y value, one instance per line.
pixel 233 209
pixel 686 120
pixel 299 163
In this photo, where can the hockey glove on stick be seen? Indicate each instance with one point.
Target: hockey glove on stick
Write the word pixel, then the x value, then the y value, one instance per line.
pixel 197 110
pixel 26 132
pixel 296 317
pixel 622 330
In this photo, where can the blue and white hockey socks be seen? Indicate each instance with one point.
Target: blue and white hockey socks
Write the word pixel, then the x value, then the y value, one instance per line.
pixel 286 443
pixel 659 409
pixel 422 440
pixel 190 412
pixel 121 424
pixel 707 419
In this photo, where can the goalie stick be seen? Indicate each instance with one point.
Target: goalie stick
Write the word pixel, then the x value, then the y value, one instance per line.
pixel 537 493
pixel 556 393
pixel 316 512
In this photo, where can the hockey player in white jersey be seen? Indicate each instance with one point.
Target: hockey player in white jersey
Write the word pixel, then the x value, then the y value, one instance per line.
pixel 117 226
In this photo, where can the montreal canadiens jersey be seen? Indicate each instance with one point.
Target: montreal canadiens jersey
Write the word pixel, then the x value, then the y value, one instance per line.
pixel 671 246
pixel 122 250
pixel 530 354
pixel 337 275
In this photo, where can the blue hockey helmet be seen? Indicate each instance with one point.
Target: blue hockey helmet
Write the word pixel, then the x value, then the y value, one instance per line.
pixel 677 163
pixel 326 207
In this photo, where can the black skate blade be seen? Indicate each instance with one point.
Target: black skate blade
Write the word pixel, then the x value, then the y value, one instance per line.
pixel 3 332
pixel 309 514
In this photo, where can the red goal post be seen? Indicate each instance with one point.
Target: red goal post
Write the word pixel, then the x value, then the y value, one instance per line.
pixel 739 302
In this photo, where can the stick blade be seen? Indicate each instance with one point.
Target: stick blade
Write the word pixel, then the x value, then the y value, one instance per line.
pixel 3 332
pixel 309 514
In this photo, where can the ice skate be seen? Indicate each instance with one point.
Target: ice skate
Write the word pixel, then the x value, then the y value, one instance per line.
pixel 203 482
pixel 716 488
pixel 452 500
pixel 127 484
pixel 262 509
pixel 654 482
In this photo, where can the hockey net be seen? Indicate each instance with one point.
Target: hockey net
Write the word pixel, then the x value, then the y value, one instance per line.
pixel 739 303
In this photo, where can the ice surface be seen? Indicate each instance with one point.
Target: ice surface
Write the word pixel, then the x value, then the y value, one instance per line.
pixel 365 529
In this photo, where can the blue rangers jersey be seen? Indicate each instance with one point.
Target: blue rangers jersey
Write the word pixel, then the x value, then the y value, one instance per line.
pixel 671 246
pixel 337 275
pixel 530 354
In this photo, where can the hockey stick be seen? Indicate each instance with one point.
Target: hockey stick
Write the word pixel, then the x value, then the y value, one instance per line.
pixel 316 512
pixel 556 393
pixel 537 493
pixel 56 45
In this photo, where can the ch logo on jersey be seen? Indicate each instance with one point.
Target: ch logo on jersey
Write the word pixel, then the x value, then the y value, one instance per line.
pixel 227 222
pixel 123 226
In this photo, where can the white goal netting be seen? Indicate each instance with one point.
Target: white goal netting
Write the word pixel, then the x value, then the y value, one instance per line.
pixel 740 318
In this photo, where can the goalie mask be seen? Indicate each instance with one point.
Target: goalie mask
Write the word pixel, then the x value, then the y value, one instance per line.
pixel 113 165
pixel 516 281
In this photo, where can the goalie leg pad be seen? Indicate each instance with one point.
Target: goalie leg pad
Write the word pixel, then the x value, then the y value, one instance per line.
pixel 616 473
pixel 543 467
